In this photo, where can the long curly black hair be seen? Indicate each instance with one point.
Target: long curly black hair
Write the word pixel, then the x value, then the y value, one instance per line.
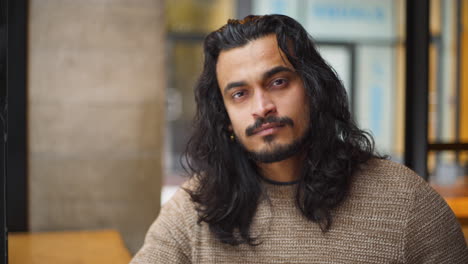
pixel 229 186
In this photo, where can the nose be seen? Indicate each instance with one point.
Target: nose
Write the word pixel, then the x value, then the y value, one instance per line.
pixel 262 105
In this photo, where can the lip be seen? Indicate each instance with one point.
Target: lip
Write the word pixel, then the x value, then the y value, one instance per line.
pixel 267 129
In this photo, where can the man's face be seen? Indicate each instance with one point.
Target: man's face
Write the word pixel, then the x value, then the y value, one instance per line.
pixel 265 99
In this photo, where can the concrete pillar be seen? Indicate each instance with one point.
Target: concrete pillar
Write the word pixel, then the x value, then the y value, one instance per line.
pixel 96 85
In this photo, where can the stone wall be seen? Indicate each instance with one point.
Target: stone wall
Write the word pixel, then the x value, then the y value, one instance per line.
pixel 96 85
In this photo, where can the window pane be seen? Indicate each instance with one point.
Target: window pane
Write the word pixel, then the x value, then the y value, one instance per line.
pixel 448 92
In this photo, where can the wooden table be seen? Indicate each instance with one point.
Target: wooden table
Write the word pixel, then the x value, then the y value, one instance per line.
pixel 459 206
pixel 77 247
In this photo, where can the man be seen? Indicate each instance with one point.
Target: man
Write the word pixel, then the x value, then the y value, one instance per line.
pixel 280 173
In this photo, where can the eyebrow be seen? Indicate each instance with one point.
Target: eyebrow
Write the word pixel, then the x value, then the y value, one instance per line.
pixel 266 75
pixel 233 85
pixel 276 70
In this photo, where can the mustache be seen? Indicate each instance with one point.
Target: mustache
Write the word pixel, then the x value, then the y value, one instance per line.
pixel 249 131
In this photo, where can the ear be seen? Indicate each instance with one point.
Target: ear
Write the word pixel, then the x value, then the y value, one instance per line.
pixel 230 128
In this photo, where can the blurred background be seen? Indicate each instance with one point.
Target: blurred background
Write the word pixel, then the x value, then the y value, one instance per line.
pixel 101 102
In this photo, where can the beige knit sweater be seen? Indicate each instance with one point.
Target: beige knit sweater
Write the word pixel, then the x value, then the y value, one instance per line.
pixel 390 216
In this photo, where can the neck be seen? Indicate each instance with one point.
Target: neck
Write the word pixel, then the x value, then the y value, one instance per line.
pixel 282 171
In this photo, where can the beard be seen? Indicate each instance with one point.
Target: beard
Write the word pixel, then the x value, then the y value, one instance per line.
pixel 277 152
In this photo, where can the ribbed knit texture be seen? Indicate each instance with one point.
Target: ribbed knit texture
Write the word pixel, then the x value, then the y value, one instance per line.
pixel 390 216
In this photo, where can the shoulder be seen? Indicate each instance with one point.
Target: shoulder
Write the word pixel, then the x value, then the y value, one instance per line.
pixel 169 239
pixel 385 177
pixel 392 182
pixel 431 230
pixel 390 170
pixel 385 184
pixel 180 207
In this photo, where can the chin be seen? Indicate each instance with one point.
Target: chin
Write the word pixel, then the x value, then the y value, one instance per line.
pixel 274 149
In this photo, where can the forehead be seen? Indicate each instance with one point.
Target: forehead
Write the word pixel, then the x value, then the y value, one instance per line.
pixel 252 59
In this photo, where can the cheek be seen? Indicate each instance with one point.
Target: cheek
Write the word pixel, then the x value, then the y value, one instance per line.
pixel 236 123
pixel 239 128
pixel 305 113
pixel 304 108
pixel 301 113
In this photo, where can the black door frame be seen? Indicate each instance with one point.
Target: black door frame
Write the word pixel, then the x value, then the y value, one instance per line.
pixel 16 178
pixel 3 129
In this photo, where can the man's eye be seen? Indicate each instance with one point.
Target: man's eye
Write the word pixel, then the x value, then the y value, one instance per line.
pixel 279 82
pixel 238 94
